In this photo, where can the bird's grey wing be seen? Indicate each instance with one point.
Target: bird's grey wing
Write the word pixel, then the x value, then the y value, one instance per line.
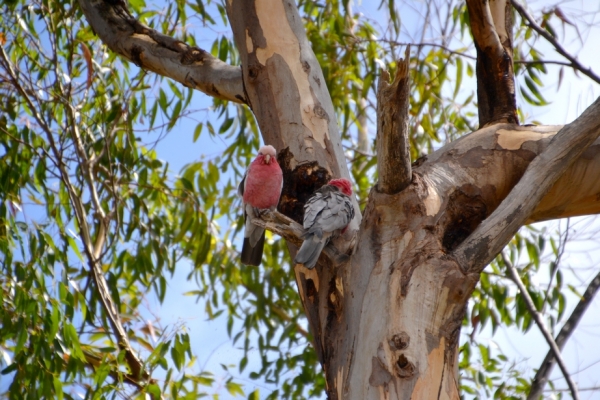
pixel 242 185
pixel 337 214
pixel 313 207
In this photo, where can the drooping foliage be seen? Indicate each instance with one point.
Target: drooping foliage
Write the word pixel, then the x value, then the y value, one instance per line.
pixel 84 187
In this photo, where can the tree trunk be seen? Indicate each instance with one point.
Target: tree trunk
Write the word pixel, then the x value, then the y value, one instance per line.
pixel 397 308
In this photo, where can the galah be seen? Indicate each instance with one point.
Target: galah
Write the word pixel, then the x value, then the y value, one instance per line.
pixel 260 190
pixel 327 213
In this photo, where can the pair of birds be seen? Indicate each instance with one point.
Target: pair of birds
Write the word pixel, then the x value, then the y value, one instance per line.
pixel 326 213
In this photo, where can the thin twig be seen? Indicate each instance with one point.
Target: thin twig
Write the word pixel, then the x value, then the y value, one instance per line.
pixel 531 62
pixel 286 317
pixel 557 46
pixel 561 251
pixel 540 323
pixel 423 44
pixel 588 389
pixel 541 377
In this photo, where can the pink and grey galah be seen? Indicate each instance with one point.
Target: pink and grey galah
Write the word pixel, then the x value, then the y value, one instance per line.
pixel 327 213
pixel 260 190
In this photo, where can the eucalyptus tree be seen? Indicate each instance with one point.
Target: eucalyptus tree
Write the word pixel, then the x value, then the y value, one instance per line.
pixel 93 220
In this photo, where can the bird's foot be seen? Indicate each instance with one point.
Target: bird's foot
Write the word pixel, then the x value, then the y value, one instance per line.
pixel 261 212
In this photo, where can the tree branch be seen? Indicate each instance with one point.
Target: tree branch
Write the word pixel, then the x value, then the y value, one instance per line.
pixel 151 50
pixel 491 26
pixel 292 231
pixel 393 152
pixel 514 275
pixel 94 361
pixel 490 237
pixel 557 46
pixel 483 27
pixel 541 377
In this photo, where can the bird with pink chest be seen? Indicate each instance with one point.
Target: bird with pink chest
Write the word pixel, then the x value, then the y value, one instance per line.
pixel 260 190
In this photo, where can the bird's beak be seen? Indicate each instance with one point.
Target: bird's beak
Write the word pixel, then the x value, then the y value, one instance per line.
pixel 268 158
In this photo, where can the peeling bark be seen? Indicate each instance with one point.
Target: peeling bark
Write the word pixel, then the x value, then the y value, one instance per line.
pixel 286 90
pixel 563 150
pixel 386 323
pixel 405 295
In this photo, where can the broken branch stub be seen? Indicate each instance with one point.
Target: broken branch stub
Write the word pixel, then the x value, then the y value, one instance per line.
pixel 393 152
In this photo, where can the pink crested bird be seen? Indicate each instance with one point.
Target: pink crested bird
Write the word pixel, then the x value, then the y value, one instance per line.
pixel 327 213
pixel 260 190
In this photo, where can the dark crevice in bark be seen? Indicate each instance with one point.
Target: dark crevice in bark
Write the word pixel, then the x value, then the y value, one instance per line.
pixel 495 89
pixel 464 212
pixel 299 184
pixel 442 377
pixel 492 36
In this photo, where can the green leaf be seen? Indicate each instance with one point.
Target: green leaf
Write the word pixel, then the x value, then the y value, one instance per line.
pixel 234 388
pixel 459 75
pixel 154 390
pixel 198 131
pixel 12 367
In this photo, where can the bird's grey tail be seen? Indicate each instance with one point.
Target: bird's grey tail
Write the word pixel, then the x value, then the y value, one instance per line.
pixel 252 255
pixel 309 252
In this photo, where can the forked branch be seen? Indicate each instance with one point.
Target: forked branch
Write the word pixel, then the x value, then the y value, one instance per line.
pixel 541 377
pixel 490 237
pixel 393 151
pixel 537 317
pixel 151 50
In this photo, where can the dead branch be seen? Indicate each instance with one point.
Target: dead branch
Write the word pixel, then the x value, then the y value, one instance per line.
pixel 393 151
pixel 292 231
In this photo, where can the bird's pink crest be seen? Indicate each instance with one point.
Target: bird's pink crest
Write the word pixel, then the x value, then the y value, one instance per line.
pixel 343 184
pixel 268 149
pixel 266 154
